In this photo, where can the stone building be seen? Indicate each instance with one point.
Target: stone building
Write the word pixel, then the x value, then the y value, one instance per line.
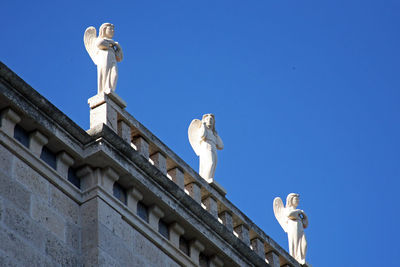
pixel 114 195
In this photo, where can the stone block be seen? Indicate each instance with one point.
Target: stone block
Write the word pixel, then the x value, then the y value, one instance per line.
pixel 64 161
pixel 113 245
pixel 103 111
pixel 15 193
pixel 6 161
pixel 273 259
pixel 8 121
pixel 24 226
pixel 134 196
pixel 64 205
pixel 155 214
pixel 258 247
pixel 141 145
pixel 124 131
pixel 177 176
pixel 243 233
pixel 194 191
pixel 90 224
pixel 42 214
pixel 159 160
pixel 226 218
pixel 32 180
pixel 73 236
pixel 109 177
pixel 211 205
pixel 195 248
pixel 36 142
pixel 112 220
pixel 18 252
pixel 87 177
pixel 60 253
pixel 215 261
pixel 175 232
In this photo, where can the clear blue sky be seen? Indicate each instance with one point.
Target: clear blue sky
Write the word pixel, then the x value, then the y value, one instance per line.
pixel 305 93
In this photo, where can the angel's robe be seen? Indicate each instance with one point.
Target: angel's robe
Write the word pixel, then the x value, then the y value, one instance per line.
pixel 296 237
pixel 107 71
pixel 209 144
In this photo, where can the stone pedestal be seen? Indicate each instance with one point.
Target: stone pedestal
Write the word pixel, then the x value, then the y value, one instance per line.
pixel 273 259
pixel 211 206
pixel 226 217
pixel 104 108
pixel 243 233
pixel 258 247
pixel 177 176
pixel 194 190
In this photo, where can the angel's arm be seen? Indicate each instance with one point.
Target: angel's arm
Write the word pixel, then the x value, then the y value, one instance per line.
pixel 220 144
pixel 103 44
pixel 118 53
pixel 293 214
pixel 304 220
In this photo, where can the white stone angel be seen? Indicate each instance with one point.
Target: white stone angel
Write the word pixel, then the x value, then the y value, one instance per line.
pixel 205 141
pixel 105 53
pixel 293 222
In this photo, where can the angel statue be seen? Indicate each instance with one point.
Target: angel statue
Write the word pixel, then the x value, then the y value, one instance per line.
pixel 205 141
pixel 293 222
pixel 105 53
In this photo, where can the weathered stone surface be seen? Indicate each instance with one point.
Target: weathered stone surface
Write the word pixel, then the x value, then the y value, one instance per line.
pixel 243 233
pixel 26 227
pixel 175 232
pixel 159 160
pixel 194 191
pixel 142 146
pixel 18 253
pixel 195 248
pixel 31 179
pixel 73 236
pixel 273 259
pixel 211 206
pixel 177 176
pixel 113 221
pixel 36 142
pixel 64 161
pixel 43 214
pixel 113 245
pixel 149 254
pixel 124 131
pixel 226 218
pixel 134 196
pixel 258 247
pixel 8 121
pixel 64 205
pixel 60 253
pixel 155 214
pixel 15 192
pixel 6 161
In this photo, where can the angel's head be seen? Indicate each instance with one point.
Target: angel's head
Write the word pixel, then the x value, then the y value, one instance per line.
pixel 292 200
pixel 106 30
pixel 209 121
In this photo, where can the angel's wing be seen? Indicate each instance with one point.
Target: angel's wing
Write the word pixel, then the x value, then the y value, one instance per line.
pixel 279 211
pixel 89 38
pixel 194 136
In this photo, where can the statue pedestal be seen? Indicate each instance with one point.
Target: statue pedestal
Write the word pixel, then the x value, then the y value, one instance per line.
pixel 105 108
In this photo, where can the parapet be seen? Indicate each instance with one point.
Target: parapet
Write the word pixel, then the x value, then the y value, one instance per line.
pixel 130 185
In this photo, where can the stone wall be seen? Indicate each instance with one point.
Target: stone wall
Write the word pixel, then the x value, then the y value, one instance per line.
pixel 111 196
